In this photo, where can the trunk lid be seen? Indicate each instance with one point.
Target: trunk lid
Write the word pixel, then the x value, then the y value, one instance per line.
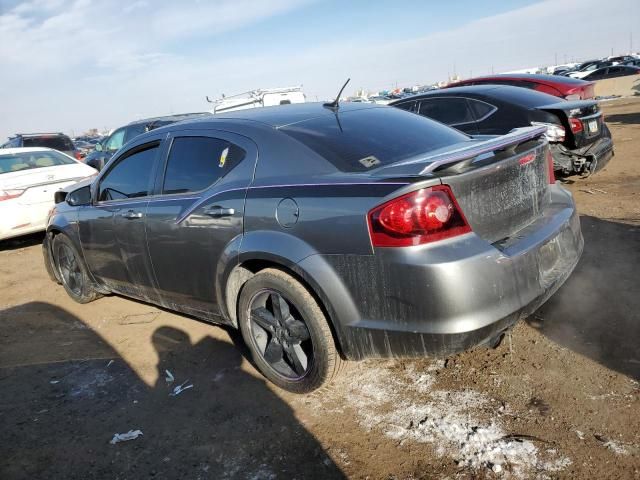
pixel 502 197
pixel 582 120
pixel 501 184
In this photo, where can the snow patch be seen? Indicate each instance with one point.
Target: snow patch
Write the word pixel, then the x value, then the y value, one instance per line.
pixel 405 406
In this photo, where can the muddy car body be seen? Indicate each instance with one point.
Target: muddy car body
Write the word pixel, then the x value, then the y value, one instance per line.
pixel 324 233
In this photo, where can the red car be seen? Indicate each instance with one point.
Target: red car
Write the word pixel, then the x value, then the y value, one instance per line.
pixel 563 87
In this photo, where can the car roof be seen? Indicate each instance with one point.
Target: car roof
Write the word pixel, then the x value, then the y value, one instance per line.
pixel 48 134
pixel 11 151
pixel 532 77
pixel 169 118
pixel 282 115
pixel 506 93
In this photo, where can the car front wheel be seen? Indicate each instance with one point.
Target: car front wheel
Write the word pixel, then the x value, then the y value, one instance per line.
pixel 72 270
pixel 287 333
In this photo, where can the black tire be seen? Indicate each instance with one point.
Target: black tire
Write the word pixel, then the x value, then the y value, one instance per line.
pixel 290 371
pixel 72 271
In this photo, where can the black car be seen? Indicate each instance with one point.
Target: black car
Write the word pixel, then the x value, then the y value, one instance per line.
pixel 580 140
pixel 111 144
pixel 56 141
pixel 612 72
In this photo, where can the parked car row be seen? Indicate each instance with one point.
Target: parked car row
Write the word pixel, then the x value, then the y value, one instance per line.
pixel 600 69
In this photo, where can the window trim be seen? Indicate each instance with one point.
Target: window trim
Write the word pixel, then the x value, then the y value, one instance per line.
pixel 157 143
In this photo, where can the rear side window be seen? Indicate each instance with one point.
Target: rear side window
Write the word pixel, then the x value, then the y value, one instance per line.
pixel 59 142
pixel 481 110
pixel 195 163
pixel 361 140
pixel 130 177
pixel 133 131
pixel 449 110
pixel 408 106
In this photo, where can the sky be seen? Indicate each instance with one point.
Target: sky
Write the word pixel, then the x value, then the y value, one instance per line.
pixel 71 65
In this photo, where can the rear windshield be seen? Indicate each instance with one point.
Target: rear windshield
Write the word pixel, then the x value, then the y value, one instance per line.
pixel 360 140
pixel 29 160
pixel 57 142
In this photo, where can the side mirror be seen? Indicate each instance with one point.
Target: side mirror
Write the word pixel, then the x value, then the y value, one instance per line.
pixel 98 147
pixel 81 196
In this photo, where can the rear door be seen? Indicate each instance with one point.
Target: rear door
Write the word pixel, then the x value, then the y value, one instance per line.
pixel 112 229
pixel 194 223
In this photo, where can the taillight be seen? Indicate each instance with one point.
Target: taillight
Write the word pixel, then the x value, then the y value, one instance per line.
pixel 552 175
pixel 554 133
pixel 573 96
pixel 416 218
pixel 9 194
pixel 576 125
pixel 77 154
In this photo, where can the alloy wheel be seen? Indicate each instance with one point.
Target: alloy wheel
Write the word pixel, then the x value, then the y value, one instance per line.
pixel 69 267
pixel 280 334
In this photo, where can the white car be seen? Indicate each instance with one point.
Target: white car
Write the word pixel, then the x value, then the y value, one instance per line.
pixel 28 179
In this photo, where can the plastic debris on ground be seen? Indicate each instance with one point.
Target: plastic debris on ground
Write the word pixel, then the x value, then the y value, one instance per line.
pixel 180 388
pixel 125 437
pixel 169 378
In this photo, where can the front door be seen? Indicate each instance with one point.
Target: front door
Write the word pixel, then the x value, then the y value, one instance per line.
pixel 112 229
pixel 196 218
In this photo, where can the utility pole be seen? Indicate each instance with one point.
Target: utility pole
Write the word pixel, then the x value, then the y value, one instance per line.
pixel 556 59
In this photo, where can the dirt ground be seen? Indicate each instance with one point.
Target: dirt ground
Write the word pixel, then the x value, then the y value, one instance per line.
pixel 559 399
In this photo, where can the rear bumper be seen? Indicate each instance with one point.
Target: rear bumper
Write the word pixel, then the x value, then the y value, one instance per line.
pixel 589 159
pixel 447 297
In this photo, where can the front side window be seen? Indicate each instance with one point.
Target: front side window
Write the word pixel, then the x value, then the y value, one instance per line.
pixel 195 163
pixel 130 177
pixel 116 140
pixel 450 111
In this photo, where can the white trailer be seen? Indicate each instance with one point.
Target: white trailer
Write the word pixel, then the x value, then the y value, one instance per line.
pixel 258 98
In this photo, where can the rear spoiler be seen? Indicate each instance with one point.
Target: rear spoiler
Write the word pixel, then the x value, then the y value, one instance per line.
pixel 470 150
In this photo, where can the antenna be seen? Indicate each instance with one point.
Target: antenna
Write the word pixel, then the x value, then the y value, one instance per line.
pixel 334 104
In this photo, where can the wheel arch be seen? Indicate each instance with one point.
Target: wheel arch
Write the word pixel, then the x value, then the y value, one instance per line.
pixel 251 265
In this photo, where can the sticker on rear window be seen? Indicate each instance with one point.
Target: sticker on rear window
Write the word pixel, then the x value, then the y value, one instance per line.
pixel 369 161
pixel 223 157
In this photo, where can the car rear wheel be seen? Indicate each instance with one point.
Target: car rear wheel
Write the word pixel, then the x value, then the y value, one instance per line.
pixel 287 333
pixel 72 271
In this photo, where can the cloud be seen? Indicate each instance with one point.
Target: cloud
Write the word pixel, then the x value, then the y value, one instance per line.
pixel 82 64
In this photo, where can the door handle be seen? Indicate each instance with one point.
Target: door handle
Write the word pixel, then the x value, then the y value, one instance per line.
pixel 130 214
pixel 217 212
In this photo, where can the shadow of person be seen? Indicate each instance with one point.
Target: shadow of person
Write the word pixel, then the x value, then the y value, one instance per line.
pixel 596 312
pixel 230 420
pixel 66 392
pixel 22 242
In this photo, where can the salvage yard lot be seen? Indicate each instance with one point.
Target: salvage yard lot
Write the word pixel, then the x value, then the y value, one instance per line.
pixel 559 398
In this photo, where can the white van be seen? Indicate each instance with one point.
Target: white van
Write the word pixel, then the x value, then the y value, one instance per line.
pixel 258 98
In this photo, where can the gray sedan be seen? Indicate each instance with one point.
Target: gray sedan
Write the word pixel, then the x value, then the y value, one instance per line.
pixel 324 233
